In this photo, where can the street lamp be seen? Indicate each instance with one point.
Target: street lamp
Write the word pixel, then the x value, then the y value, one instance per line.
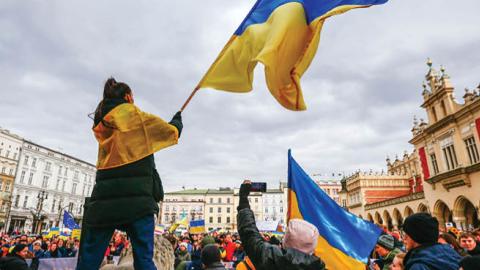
pixel 42 195
pixel 8 203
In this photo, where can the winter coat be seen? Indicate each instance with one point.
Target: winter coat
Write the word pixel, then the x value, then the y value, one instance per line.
pixel 432 257
pixel 238 256
pixel 39 253
pixel 388 260
pixel 126 193
pixel 183 255
pixel 229 250
pixel 53 254
pixel 266 256
pixel 15 262
pixel 216 266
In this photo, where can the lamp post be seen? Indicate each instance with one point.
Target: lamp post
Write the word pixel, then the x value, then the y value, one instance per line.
pixel 42 195
pixel 8 203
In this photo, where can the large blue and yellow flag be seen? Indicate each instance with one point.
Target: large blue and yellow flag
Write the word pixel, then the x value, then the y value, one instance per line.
pixel 345 241
pixel 281 34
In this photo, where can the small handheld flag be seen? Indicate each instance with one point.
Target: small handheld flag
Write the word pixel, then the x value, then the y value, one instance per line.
pixel 345 241
pixel 197 226
pixel 174 226
pixel 281 34
pixel 69 222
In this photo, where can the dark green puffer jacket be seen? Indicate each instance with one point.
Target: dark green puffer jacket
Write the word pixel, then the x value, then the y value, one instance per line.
pixel 124 194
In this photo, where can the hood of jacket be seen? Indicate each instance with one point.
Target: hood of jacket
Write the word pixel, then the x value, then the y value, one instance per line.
pixel 435 257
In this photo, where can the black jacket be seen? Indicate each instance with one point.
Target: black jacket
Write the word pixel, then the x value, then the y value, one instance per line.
pixel 267 256
pixel 124 194
pixel 14 262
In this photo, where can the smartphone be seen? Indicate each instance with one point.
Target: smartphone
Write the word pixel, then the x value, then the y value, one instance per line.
pixel 258 187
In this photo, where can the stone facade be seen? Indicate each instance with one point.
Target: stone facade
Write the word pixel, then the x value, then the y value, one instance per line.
pixel 442 174
pixel 48 182
pixel 218 207
pixel 10 148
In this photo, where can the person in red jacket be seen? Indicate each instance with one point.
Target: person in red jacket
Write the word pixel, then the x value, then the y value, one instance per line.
pixel 229 247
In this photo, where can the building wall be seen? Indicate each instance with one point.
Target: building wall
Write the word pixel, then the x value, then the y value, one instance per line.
pixel 443 171
pixel 10 148
pixel 65 179
pixel 220 209
pixel 273 206
pixel 332 188
pixel 447 146
pixel 178 204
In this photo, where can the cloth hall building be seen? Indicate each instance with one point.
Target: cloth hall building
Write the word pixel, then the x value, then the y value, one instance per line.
pixel 440 176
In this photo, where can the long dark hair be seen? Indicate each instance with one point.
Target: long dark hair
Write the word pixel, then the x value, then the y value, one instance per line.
pixel 111 90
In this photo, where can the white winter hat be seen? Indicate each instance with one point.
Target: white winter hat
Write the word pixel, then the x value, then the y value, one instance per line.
pixel 301 235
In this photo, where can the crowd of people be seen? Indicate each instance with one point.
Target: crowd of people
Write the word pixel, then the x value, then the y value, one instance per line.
pixel 15 249
pixel 422 245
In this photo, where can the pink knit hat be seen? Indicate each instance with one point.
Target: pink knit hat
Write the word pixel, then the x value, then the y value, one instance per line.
pixel 301 235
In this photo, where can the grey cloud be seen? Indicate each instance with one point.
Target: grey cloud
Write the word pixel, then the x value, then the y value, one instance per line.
pixel 362 89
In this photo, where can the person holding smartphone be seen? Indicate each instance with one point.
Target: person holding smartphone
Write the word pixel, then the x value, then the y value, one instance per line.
pixel 298 244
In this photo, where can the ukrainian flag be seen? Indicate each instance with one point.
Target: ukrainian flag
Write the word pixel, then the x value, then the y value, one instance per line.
pixel 281 34
pixel 197 226
pixel 345 241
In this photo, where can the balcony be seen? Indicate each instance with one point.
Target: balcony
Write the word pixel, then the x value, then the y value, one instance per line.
pixel 407 198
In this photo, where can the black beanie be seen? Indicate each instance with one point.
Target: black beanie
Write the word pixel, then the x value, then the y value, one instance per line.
pixel 422 228
pixel 18 248
pixel 470 263
pixel 210 254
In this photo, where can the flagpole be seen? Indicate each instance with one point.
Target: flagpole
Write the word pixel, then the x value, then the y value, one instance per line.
pixel 189 98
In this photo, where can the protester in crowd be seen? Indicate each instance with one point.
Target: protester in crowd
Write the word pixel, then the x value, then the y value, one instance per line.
pixel 211 258
pixel 397 263
pixel 71 250
pixel 196 262
pixel 61 247
pixel 5 248
pixel 467 241
pixel 182 252
pixel 449 239
pixel 16 259
pixel 385 247
pixel 299 242
pixel 128 187
pixel 229 247
pixel 421 236
pixel 239 254
pixel 53 251
pixel 118 244
pixel 476 233
pixel 220 244
pixel 470 263
pixel 38 252
pixel 274 241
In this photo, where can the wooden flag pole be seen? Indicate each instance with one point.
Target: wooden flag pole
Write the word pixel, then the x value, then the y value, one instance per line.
pixel 189 98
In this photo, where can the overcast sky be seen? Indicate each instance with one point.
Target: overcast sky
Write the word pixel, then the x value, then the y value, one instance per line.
pixel 362 89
